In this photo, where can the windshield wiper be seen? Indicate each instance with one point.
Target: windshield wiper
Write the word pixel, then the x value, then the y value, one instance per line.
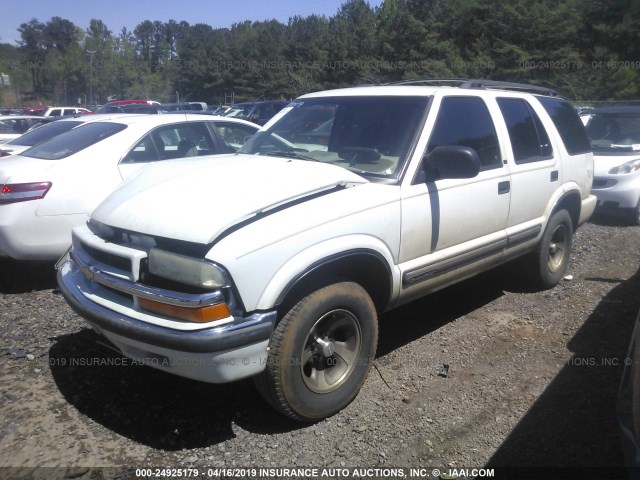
pixel 289 154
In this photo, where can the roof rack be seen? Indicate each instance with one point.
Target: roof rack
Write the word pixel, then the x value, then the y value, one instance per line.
pixel 431 81
pixel 519 87
pixel 480 85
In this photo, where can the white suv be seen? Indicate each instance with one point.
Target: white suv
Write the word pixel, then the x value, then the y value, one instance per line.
pixel 275 262
pixel 64 111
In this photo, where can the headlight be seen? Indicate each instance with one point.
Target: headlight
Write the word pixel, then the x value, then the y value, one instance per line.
pixel 187 270
pixel 629 167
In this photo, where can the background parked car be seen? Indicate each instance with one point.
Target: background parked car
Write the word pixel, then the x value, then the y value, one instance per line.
pixel 38 110
pixel 118 106
pixel 217 110
pixel 12 126
pixel 199 106
pixel 256 112
pixel 51 188
pixel 145 109
pixel 615 137
pixel 49 129
pixel 63 111
pixel 46 120
pixel 175 107
pixel 186 106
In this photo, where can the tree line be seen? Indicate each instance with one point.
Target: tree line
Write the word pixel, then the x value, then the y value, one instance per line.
pixel 586 49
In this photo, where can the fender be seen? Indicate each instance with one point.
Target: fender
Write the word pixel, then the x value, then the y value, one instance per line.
pixel 319 254
pixel 569 189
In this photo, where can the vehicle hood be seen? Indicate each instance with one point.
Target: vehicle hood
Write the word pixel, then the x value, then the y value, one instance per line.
pixel 197 199
pixel 603 163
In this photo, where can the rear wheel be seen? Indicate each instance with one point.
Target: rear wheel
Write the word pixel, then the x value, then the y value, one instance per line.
pixel 552 256
pixel 321 352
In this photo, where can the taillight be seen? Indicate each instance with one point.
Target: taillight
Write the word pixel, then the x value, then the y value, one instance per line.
pixel 22 192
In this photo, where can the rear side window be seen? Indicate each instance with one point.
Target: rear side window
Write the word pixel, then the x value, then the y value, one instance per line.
pixel 172 141
pixel 529 139
pixel 43 133
pixel 73 141
pixel 568 123
pixel 466 121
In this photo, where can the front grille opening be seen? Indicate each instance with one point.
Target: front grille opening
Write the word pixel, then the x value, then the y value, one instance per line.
pixel 110 259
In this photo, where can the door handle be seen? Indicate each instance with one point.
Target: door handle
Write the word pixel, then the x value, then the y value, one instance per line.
pixel 504 187
pixel 554 176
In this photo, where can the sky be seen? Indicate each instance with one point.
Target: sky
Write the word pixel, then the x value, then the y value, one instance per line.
pixel 129 13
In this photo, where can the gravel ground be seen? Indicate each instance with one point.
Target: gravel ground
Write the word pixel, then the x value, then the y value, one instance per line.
pixel 487 373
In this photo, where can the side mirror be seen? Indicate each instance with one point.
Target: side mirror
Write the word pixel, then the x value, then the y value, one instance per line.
pixel 451 161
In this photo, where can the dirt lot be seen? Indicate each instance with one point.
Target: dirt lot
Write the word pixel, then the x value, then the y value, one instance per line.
pixel 530 387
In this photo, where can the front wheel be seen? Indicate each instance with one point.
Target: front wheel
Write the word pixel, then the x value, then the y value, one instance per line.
pixel 552 255
pixel 321 352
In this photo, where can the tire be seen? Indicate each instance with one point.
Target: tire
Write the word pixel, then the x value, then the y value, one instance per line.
pixel 320 353
pixel 552 255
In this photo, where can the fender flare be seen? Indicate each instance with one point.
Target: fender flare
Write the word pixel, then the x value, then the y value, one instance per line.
pixel 309 261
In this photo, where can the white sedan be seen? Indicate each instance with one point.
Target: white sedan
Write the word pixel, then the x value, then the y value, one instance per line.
pixel 12 126
pixel 42 133
pixel 51 188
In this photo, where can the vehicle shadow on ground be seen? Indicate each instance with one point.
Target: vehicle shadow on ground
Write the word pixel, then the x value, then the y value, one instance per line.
pixel 426 315
pixel 22 277
pixel 171 413
pixel 577 411
pixel 151 407
pixel 610 220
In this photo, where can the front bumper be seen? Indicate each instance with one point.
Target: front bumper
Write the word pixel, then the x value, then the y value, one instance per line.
pixel 218 354
pixel 617 193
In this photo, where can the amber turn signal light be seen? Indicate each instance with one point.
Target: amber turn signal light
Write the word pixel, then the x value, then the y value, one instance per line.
pixel 209 313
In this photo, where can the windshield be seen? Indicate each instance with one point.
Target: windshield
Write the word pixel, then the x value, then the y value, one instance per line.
pixel 238 111
pixel 44 132
pixel 368 135
pixel 614 132
pixel 74 140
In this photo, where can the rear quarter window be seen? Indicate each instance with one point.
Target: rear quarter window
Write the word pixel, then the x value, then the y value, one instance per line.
pixel 568 123
pixel 73 141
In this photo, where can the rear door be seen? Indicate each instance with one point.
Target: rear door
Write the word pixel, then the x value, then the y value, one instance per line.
pixel 535 172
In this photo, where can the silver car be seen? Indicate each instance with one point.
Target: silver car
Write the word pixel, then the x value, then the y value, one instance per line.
pixel 615 137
